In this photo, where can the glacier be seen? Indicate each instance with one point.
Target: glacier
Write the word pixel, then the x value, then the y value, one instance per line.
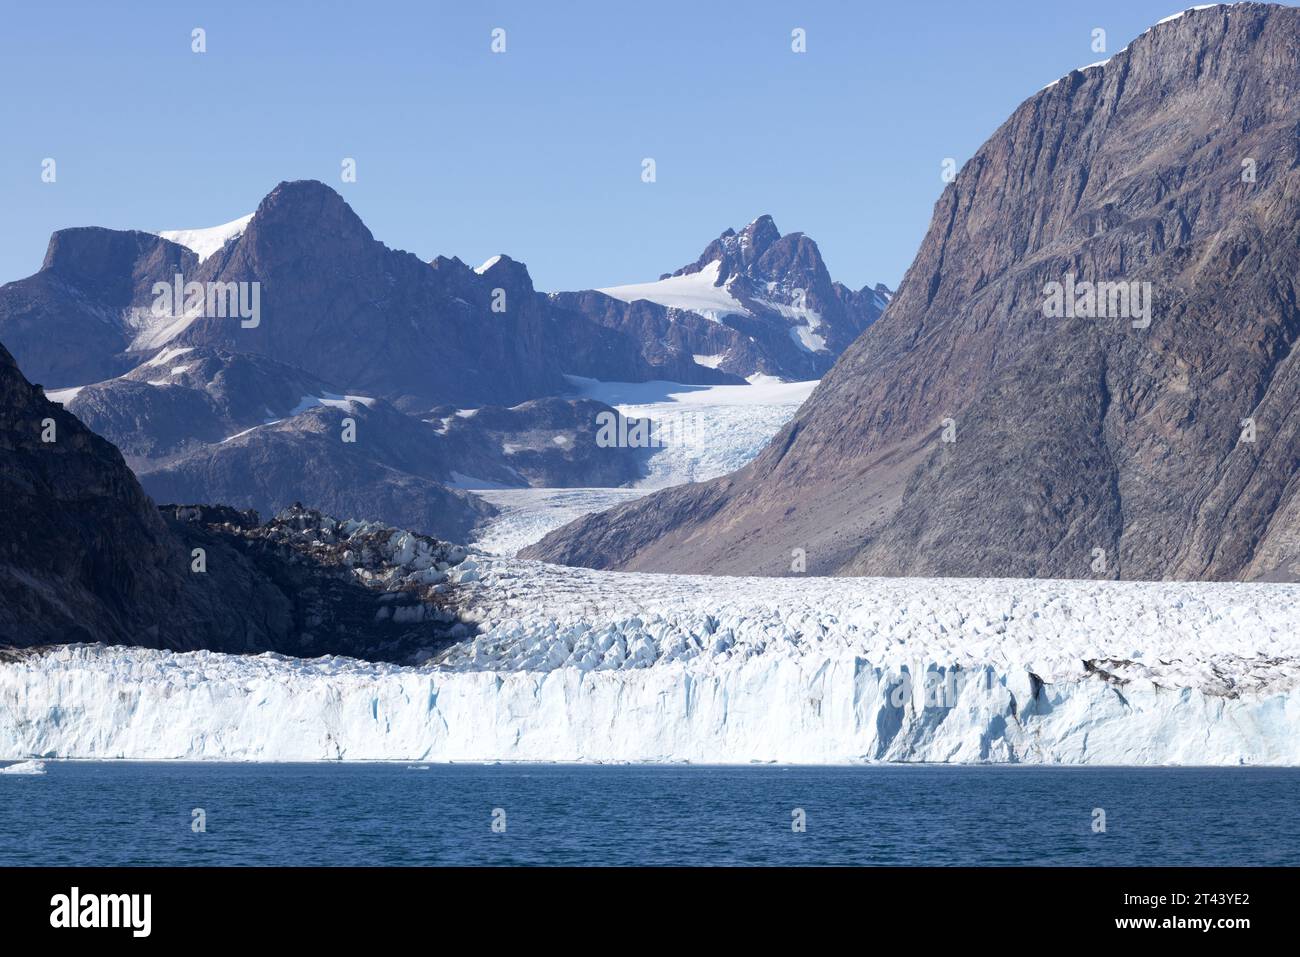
pixel 575 665
pixel 707 431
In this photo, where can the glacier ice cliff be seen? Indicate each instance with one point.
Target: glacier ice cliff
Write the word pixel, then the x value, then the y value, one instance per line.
pixel 577 665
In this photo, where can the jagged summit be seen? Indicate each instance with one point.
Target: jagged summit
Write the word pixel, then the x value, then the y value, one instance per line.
pixel 736 251
pixel 767 301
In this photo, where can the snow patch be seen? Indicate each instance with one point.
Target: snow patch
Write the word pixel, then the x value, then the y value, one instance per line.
pixel 240 435
pixel 207 242
pixel 344 402
pixel 806 339
pixel 695 292
pixel 167 355
pixel 64 396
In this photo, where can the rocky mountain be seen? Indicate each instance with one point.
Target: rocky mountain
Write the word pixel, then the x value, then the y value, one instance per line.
pixel 982 427
pixel 330 300
pixel 340 305
pixel 239 392
pixel 85 556
pixel 362 456
pixel 77 320
pixel 184 398
pixel 355 457
pixel 203 424
pixel 754 302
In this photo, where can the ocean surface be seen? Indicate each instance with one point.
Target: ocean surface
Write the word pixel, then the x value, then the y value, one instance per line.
pixel 114 813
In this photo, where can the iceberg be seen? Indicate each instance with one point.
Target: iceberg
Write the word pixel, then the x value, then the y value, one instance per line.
pixel 24 767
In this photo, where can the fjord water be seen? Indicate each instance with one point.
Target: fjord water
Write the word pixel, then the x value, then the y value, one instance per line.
pixel 115 813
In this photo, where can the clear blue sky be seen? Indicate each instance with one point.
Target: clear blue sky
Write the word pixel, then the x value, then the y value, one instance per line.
pixel 536 152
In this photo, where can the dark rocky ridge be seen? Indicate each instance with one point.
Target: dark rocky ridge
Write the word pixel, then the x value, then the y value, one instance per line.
pixel 391 473
pixel 1072 434
pixel 360 589
pixel 399 467
pixel 162 409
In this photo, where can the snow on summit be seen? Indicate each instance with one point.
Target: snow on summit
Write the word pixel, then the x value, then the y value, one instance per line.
pixel 1163 20
pixel 694 292
pixel 205 242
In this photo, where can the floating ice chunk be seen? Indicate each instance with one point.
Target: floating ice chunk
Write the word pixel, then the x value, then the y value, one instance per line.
pixel 24 767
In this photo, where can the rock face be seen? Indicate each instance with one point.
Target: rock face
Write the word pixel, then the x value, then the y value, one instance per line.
pixel 360 589
pixel 1084 447
pixel 83 553
pixel 73 321
pixel 185 398
pixel 338 304
pixel 85 556
pixel 755 302
pixel 394 471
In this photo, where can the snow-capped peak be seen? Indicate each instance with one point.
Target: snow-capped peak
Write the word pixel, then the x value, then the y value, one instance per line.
pixel 487 264
pixel 205 242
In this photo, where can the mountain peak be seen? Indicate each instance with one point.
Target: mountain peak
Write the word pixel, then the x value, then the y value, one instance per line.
pixel 501 268
pixel 89 253
pixel 307 203
pixel 737 251
pixel 761 233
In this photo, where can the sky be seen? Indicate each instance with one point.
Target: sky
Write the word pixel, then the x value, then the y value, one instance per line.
pixel 538 151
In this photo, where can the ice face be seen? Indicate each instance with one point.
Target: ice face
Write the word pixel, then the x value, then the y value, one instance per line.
pixel 133 703
pixel 577 665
